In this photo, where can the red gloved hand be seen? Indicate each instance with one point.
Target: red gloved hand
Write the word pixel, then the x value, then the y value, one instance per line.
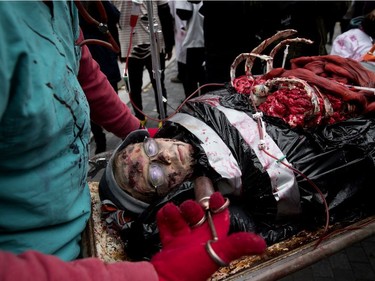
pixel 184 255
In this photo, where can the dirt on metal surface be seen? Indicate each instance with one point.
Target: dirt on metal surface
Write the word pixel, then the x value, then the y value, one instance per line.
pixel 279 260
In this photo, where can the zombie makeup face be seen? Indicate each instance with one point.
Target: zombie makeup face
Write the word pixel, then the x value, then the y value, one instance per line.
pixel 152 168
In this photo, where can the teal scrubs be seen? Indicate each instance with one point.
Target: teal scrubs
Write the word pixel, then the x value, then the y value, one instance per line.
pixel 44 130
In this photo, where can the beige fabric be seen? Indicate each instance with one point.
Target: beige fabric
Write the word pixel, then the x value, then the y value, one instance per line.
pixel 96 240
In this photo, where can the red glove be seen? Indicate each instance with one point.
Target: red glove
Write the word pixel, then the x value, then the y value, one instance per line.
pixel 184 255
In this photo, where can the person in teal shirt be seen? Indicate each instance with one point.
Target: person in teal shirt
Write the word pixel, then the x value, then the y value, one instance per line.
pixel 50 88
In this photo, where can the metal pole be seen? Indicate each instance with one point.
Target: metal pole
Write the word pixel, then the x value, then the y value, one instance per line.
pixel 155 56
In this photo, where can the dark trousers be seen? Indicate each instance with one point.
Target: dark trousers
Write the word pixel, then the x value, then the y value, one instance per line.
pixel 99 138
pixel 97 131
pixel 135 72
pixel 194 71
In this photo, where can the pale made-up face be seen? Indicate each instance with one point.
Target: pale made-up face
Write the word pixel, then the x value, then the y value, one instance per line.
pixel 152 168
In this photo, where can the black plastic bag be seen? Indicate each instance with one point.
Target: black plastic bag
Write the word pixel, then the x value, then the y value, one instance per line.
pixel 338 159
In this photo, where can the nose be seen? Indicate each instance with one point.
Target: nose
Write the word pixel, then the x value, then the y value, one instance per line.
pixel 163 157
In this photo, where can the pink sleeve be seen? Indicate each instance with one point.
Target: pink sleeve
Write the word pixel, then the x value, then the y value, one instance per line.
pixel 32 265
pixel 106 107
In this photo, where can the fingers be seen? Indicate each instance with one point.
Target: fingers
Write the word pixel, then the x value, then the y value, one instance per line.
pixel 192 212
pixel 195 215
pixel 190 218
pixel 171 223
pixel 220 213
pixel 238 245
pixel 218 203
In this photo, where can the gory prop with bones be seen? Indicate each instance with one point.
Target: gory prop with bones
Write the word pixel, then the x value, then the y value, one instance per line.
pixel 316 90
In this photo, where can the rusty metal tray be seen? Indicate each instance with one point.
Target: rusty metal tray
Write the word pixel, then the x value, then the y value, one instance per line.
pixel 279 260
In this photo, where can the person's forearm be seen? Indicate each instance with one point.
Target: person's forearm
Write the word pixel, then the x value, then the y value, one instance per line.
pixel 106 108
pixel 33 265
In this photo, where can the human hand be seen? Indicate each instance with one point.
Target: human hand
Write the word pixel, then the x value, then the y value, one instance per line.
pixel 189 253
pixel 168 55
